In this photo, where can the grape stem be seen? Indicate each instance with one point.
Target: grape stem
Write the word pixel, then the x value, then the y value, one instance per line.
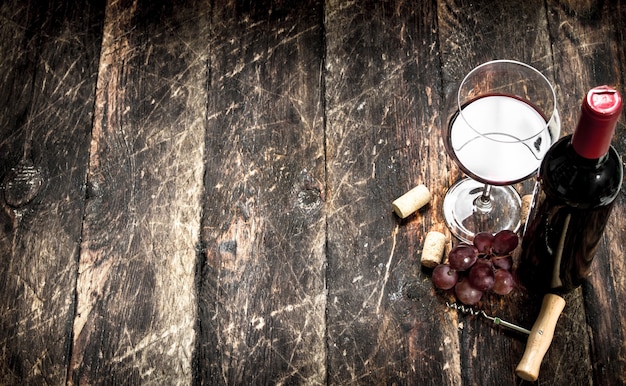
pixel 495 320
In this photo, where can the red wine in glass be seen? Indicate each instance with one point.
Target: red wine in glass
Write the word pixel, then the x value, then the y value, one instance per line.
pixel 510 145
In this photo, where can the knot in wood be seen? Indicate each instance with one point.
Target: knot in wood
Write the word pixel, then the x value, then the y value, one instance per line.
pixel 22 184
pixel 309 198
pixel 310 192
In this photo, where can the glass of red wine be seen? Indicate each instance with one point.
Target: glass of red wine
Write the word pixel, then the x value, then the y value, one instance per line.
pixel 502 121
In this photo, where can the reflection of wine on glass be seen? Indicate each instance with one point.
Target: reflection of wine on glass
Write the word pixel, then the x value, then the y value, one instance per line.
pixel 503 121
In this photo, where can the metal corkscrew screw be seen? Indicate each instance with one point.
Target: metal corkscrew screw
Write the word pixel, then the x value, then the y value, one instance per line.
pixel 495 320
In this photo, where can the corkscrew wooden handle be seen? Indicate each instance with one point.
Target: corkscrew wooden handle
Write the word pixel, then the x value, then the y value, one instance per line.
pixel 540 337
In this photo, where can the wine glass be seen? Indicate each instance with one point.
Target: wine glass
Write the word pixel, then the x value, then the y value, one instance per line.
pixel 501 123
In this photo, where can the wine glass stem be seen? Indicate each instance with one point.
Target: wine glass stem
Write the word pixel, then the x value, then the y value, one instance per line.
pixel 482 204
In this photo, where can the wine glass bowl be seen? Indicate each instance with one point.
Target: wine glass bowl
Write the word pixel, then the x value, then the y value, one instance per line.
pixel 502 121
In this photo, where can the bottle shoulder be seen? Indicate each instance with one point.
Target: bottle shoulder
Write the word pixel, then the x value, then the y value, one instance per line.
pixel 577 181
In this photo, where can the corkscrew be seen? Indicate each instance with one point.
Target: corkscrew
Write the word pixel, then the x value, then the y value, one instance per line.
pixel 494 319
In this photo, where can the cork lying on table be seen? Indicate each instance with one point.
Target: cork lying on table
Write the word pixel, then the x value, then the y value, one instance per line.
pixel 411 201
pixel 434 246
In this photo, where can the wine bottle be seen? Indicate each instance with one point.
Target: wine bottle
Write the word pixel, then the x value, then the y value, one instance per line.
pixel 577 183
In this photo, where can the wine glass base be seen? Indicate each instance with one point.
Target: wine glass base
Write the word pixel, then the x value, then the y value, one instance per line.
pixel 465 219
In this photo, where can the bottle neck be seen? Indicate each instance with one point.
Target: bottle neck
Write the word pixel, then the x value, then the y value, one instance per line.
pixel 591 139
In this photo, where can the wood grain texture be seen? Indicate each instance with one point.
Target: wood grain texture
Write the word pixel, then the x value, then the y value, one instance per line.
pixel 48 65
pixel 383 138
pixel 200 192
pixel 135 292
pixel 471 33
pixel 262 274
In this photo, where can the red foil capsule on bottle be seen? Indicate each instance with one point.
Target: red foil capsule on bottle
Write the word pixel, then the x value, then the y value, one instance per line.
pixel 599 113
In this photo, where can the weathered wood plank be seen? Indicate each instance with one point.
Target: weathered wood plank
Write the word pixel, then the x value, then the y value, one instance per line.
pixel 470 34
pixel 589 50
pixel 383 138
pixel 135 292
pixel 261 280
pixel 48 66
pixel 290 127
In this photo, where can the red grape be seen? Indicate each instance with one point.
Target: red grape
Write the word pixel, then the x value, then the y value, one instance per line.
pixel 481 276
pixel 462 257
pixel 483 241
pixel 466 293
pixel 504 262
pixel 504 242
pixel 480 267
pixel 444 277
pixel 504 282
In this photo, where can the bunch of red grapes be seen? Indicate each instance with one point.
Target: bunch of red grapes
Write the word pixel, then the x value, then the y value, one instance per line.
pixel 473 269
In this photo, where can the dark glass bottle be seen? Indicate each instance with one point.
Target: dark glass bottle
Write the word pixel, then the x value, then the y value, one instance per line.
pixel 578 181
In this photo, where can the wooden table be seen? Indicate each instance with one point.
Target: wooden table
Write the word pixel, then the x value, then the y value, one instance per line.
pixel 200 192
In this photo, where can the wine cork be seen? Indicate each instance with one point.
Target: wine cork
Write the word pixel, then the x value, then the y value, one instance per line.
pixel 527 201
pixel 411 201
pixel 434 246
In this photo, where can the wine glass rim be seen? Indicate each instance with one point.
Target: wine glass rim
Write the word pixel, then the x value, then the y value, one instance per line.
pixel 546 126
